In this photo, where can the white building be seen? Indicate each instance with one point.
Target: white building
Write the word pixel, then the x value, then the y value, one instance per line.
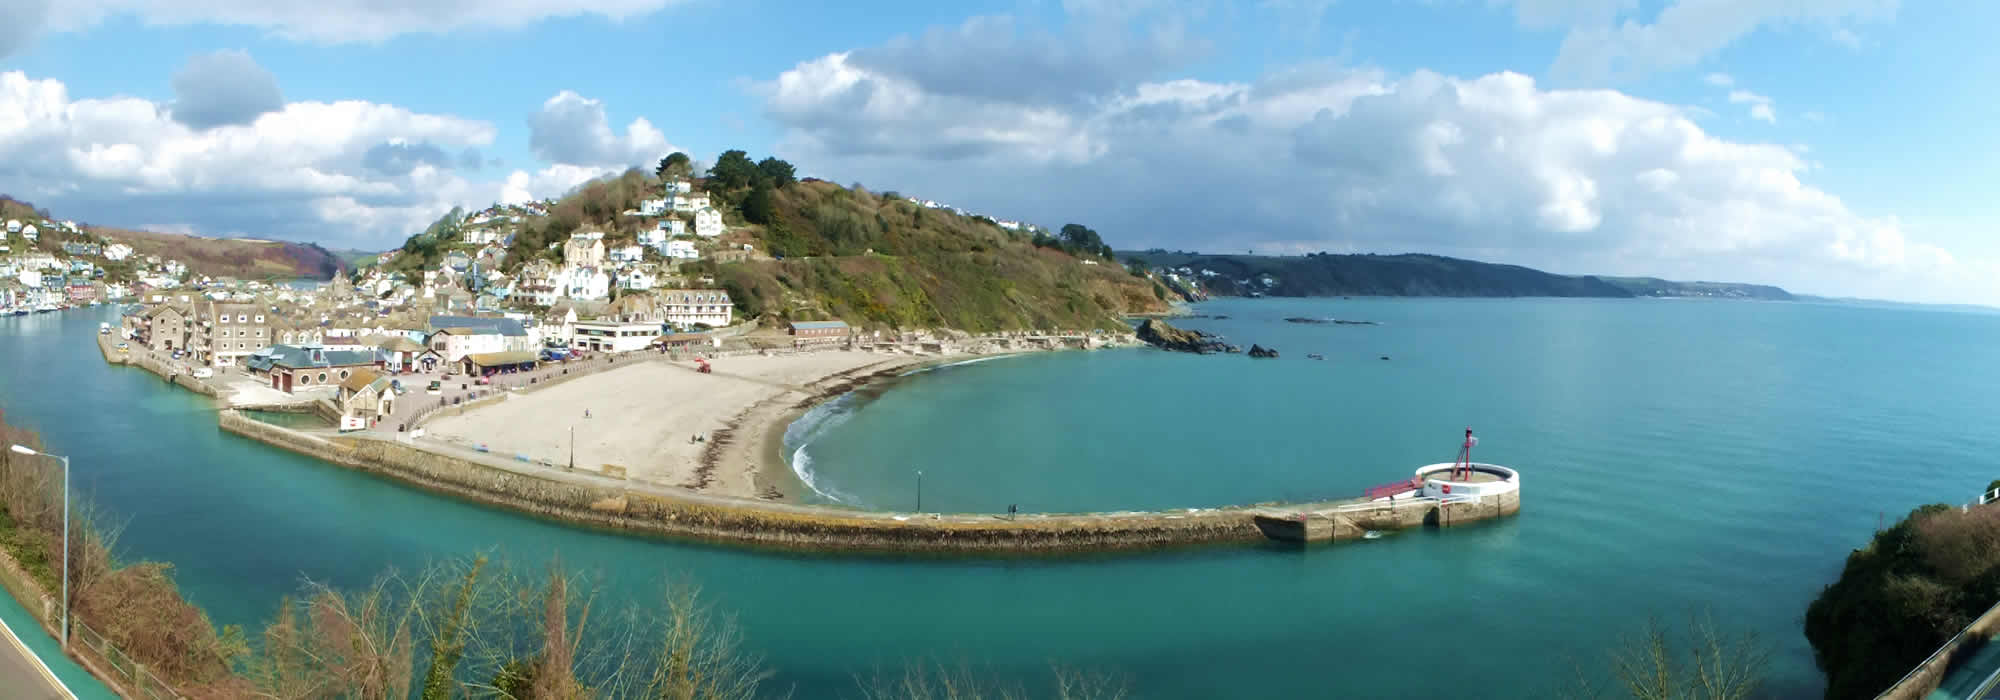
pixel 708 222
pixel 628 254
pixel 686 307
pixel 638 279
pixel 613 336
pixel 13 225
pixel 690 201
pixel 586 284
pixel 681 250
pixel 654 207
pixel 117 251
pixel 679 187
pixel 29 232
pixel 653 238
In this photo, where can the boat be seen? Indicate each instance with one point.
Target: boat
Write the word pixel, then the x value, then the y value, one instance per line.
pixel 45 307
pixel 1315 356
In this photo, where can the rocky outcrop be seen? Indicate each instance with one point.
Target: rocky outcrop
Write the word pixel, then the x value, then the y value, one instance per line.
pixel 1261 351
pixel 1164 336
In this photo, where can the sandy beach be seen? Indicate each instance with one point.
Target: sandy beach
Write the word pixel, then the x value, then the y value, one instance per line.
pixel 645 418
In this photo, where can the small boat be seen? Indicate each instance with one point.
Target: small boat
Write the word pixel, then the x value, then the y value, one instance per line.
pixel 1315 356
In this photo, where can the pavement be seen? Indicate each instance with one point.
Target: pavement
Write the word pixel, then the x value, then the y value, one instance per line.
pixel 23 674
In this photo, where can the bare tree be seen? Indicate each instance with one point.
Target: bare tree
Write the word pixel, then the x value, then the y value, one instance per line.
pixel 1704 662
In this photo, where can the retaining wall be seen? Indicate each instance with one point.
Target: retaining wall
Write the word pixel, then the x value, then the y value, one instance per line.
pixel 613 504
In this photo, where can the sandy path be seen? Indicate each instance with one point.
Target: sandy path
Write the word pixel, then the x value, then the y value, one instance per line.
pixel 642 418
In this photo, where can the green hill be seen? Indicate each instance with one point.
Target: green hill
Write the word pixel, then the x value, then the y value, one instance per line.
pixel 1327 274
pixel 823 251
pixel 1656 287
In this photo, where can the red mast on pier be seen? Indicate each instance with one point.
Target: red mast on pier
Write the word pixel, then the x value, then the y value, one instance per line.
pixel 1463 468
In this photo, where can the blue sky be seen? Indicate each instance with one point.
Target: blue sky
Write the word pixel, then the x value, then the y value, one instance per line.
pixel 1835 147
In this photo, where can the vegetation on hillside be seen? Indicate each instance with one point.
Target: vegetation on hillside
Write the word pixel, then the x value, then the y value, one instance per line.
pixel 1909 591
pixel 1328 274
pixel 835 252
pixel 886 261
pixel 1656 287
pixel 215 257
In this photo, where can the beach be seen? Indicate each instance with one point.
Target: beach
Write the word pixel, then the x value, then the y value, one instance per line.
pixel 665 423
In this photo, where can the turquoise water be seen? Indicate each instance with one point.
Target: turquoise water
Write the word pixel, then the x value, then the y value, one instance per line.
pixel 1676 455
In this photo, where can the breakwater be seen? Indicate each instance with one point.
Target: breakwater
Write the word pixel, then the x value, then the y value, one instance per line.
pixel 146 360
pixel 607 501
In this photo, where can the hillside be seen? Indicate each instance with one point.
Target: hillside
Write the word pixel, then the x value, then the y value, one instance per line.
pixel 885 260
pixel 216 257
pixel 1656 287
pixel 232 257
pixel 1326 274
pixel 822 251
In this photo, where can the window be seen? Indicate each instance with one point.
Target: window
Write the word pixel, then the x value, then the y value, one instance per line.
pixel 343 374
pixel 305 380
pixel 322 377
pixel 260 318
pixel 240 318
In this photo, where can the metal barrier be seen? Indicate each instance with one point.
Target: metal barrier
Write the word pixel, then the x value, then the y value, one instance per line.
pixel 135 677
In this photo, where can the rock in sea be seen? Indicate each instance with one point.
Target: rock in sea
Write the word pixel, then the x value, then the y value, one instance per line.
pixel 1261 351
pixel 1164 336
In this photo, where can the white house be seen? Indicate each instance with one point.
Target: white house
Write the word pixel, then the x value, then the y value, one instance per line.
pixel 628 254
pixel 672 227
pixel 587 284
pixel 13 225
pixel 638 279
pixel 686 307
pixel 29 232
pixel 652 238
pixel 679 187
pixel 681 250
pixel 613 336
pixel 708 222
pixel 654 207
pixel 117 251
pixel 691 201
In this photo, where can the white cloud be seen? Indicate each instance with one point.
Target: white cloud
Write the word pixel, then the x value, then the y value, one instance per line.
pixel 308 170
pixel 1719 80
pixel 335 21
pixel 572 129
pixel 1761 108
pixel 1612 39
pixel 1322 157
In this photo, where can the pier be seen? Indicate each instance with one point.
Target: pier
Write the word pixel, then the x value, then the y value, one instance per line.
pixel 1440 495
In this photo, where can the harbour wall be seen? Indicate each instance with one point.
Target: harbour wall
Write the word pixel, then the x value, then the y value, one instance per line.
pixel 145 361
pixel 607 501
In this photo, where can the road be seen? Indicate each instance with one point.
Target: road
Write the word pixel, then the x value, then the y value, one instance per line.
pixel 23 675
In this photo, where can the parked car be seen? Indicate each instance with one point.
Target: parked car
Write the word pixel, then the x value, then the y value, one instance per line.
pixel 435 387
pixel 203 373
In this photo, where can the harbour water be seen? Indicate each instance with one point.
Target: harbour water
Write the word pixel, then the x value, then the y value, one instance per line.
pixel 1677 456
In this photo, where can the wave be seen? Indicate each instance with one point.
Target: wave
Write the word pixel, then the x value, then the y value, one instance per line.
pixel 960 363
pixel 816 422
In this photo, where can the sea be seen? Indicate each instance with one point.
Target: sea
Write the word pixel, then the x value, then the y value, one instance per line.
pixel 1680 459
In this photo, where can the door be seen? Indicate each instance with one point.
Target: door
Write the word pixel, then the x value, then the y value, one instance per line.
pixel 288 382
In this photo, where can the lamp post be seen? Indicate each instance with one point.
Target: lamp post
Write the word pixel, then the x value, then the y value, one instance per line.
pixel 23 449
pixel 920 490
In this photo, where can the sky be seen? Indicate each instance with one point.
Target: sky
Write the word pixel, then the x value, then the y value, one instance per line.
pixel 1836 147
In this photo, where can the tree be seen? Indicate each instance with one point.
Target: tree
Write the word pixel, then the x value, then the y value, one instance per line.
pixel 758 207
pixel 1077 238
pixel 777 172
pixel 733 170
pixel 676 165
pixel 1703 662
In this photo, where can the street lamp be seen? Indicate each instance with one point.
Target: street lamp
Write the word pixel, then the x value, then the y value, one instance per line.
pixel 23 449
pixel 920 490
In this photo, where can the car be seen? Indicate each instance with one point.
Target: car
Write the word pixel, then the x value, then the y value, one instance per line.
pixel 435 387
pixel 124 346
pixel 203 373
pixel 483 381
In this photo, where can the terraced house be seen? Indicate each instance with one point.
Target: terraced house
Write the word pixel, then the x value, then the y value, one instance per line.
pixel 687 308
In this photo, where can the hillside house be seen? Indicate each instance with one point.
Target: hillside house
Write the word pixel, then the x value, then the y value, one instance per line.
pixel 584 249
pixel 13 225
pixel 166 328
pixel 117 252
pixel 628 254
pixel 708 222
pixel 654 207
pixel 690 201
pixel 680 250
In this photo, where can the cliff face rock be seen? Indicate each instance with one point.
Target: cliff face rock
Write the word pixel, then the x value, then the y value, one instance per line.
pixel 1164 336
pixel 1261 351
